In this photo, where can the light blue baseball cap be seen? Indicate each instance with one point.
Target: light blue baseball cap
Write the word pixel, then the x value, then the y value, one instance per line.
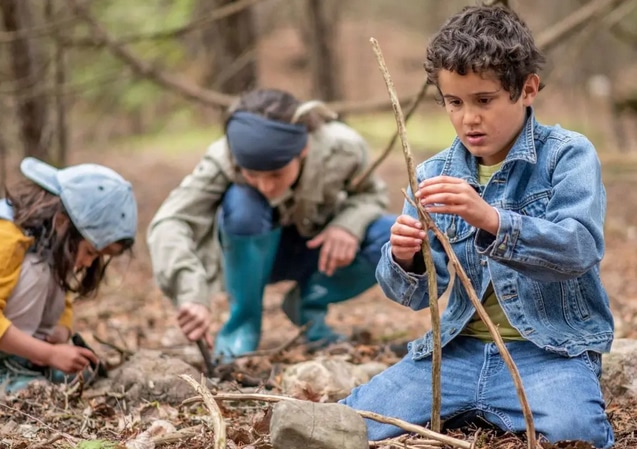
pixel 99 202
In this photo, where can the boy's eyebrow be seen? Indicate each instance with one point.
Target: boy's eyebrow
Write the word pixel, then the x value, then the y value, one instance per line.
pixel 475 94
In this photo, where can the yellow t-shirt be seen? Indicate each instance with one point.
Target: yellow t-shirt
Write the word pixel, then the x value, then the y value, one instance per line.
pixel 476 327
pixel 13 247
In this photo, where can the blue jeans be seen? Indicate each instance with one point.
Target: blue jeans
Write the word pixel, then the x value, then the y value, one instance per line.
pixel 564 393
pixel 244 211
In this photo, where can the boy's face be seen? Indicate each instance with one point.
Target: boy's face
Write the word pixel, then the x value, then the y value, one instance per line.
pixel 485 118
pixel 272 184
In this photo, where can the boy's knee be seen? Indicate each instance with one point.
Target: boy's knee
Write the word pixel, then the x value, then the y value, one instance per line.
pixel 245 211
pixel 575 426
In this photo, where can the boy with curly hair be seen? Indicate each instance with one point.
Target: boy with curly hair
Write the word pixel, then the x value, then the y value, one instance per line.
pixel 523 206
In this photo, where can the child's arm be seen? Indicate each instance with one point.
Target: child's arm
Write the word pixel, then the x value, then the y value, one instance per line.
pixel 68 358
pixel 406 281
pixel 185 217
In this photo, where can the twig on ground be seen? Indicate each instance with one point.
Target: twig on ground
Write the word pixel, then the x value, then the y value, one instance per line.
pixel 408 427
pixel 179 435
pixel 122 351
pixel 47 444
pixel 425 249
pixel 279 349
pixel 219 425
pixel 64 435
pixel 430 224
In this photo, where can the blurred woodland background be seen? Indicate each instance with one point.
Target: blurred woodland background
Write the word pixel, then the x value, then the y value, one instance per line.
pixel 85 74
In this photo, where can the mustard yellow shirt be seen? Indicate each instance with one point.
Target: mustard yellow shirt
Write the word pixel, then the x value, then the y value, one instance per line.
pixel 13 248
pixel 476 327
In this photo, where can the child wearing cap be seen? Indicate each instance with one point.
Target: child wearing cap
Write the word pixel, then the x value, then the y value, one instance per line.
pixel 272 200
pixel 58 230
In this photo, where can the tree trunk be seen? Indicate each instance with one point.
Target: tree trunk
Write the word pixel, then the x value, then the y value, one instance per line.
pixel 321 38
pixel 59 77
pixel 28 72
pixel 230 49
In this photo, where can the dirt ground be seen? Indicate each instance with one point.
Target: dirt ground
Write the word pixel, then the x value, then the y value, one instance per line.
pixel 131 314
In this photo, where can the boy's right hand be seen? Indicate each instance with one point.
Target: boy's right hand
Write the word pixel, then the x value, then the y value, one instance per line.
pixel 194 321
pixel 406 240
pixel 70 359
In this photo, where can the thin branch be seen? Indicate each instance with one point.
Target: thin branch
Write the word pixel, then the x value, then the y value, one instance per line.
pixel 122 351
pixel 279 349
pixel 408 427
pixel 64 435
pixel 546 41
pixel 212 16
pixel 360 181
pixel 428 223
pixel 8 37
pixel 425 248
pixel 149 71
pixel 218 424
pixel 566 27
pixel 179 435
pixel 48 443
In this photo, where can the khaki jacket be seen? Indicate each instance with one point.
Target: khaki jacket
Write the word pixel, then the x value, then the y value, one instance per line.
pixel 185 253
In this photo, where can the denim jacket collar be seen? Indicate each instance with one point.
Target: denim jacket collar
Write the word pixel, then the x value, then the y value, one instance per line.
pixel 460 163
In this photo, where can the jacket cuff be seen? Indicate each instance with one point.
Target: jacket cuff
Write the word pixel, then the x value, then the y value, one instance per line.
pixel 502 245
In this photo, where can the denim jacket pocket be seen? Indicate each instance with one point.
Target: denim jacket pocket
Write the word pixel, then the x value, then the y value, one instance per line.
pixel 577 302
pixel 533 205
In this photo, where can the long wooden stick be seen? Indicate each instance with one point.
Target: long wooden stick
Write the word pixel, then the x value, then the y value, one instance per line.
pixel 408 427
pixel 430 225
pixel 218 424
pixel 426 249
pixel 360 181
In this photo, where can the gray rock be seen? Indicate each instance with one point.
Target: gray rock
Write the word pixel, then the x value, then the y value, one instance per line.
pixel 619 371
pixel 311 425
pixel 151 376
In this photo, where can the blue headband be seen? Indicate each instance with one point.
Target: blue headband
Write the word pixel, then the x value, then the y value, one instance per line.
pixel 261 144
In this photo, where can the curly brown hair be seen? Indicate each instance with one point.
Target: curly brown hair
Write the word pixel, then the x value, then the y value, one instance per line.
pixel 485 39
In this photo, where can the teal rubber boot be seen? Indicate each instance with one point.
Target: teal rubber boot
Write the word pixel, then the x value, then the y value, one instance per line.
pixel 247 265
pixel 308 303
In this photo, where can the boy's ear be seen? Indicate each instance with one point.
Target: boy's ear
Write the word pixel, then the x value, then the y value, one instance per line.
pixel 530 89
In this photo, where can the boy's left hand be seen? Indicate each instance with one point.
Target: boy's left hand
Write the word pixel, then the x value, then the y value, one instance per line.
pixel 449 195
pixel 339 248
pixel 60 334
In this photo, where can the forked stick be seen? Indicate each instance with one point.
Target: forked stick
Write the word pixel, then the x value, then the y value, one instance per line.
pixel 428 223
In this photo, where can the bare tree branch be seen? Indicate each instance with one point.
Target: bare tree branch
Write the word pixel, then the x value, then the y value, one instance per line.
pixel 8 37
pixel 215 15
pixel 546 40
pixel 566 27
pixel 149 71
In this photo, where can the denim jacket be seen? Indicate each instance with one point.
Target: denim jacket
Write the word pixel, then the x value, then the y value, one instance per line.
pixel 544 260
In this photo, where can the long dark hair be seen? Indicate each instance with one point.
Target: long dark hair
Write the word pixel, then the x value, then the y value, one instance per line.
pixel 36 212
